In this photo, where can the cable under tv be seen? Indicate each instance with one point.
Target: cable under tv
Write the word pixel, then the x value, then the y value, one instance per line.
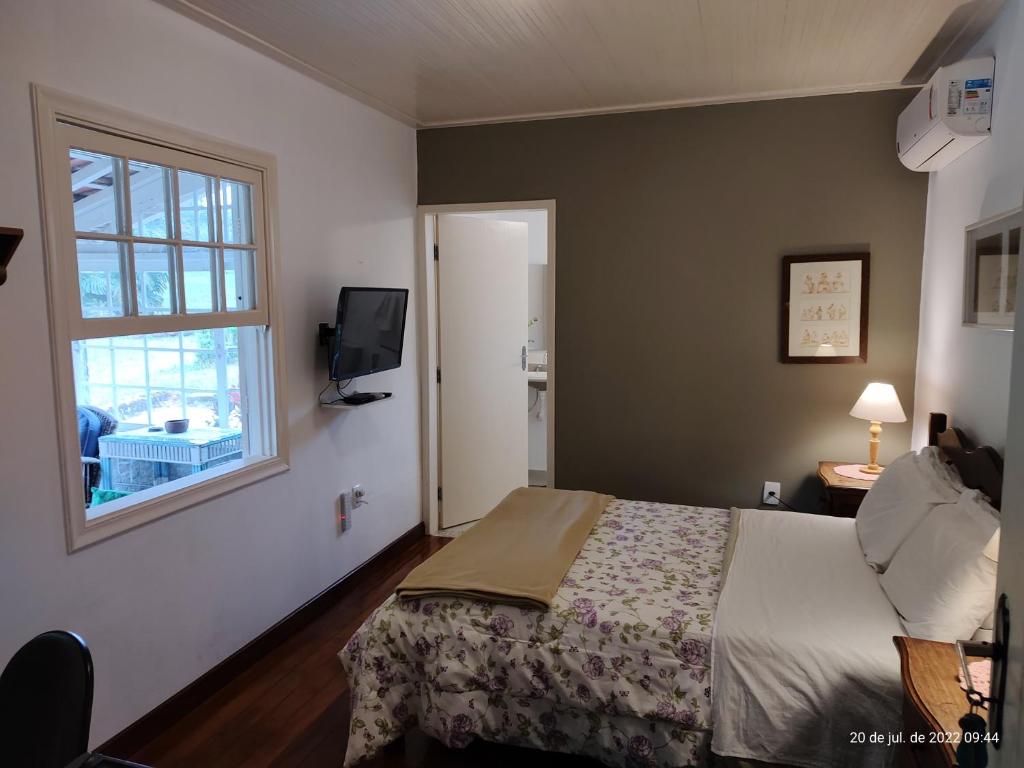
pixel 361 398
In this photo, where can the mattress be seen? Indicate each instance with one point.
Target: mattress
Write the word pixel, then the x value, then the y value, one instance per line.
pixel 804 663
pixel 619 668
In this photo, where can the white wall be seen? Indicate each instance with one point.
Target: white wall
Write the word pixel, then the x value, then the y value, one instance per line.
pixel 966 371
pixel 164 603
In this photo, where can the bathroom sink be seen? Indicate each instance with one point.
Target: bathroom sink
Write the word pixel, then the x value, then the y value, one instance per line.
pixel 537 370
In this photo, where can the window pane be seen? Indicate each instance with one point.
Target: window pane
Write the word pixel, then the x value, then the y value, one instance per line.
pixel 130 405
pixel 239 279
pixel 149 383
pixel 195 195
pixel 97 183
pixel 150 187
pixel 232 372
pixel 99 277
pixel 167 404
pixel 130 365
pixel 202 408
pixel 201 369
pixel 199 274
pixel 236 211
pixel 96 361
pixel 164 368
pixel 164 340
pixel 154 285
pixel 100 397
pixel 195 339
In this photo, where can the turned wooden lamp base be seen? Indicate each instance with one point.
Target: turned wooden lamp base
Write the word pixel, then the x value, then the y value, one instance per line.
pixel 872 467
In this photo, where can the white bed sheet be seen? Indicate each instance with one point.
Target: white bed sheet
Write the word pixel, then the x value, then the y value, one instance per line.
pixel 803 653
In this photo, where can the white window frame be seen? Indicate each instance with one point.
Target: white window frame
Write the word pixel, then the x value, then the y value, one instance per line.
pixel 58 116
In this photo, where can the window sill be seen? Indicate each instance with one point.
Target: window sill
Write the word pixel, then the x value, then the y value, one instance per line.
pixel 154 503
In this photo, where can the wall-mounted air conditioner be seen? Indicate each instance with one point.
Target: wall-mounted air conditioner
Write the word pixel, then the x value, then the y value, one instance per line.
pixel 951 114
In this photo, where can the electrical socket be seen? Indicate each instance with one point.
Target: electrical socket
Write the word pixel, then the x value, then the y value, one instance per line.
pixel 358 495
pixel 771 486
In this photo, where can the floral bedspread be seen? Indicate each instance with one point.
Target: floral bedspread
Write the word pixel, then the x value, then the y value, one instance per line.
pixel 619 668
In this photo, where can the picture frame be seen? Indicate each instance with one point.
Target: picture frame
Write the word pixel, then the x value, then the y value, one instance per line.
pixel 825 309
pixel 991 256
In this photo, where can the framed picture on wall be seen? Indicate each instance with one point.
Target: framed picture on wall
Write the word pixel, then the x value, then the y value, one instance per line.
pixel 990 271
pixel 825 308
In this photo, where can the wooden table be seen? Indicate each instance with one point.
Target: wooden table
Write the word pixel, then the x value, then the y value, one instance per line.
pixel 933 701
pixel 843 495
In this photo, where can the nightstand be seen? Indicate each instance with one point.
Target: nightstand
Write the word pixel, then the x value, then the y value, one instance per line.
pixel 843 495
pixel 933 703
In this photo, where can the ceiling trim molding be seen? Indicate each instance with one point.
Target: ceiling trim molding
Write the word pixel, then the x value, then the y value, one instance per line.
pixel 260 45
pixel 651 106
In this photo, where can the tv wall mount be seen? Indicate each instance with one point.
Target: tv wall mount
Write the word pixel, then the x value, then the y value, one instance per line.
pixel 325 331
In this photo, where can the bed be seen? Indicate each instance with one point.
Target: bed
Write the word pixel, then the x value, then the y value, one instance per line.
pixel 620 667
pixel 625 646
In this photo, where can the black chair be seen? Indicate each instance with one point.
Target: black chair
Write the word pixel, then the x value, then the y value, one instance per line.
pixel 46 702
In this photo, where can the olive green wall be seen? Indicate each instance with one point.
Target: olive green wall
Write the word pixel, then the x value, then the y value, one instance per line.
pixel 671 227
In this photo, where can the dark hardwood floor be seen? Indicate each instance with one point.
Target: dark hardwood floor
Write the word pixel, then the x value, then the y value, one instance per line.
pixel 291 707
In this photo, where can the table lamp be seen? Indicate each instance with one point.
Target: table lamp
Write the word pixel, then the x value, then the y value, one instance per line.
pixel 878 403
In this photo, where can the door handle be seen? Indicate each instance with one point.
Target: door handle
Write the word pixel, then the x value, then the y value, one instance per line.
pixel 522 358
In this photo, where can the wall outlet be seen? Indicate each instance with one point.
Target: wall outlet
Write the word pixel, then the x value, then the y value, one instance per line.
pixel 345 506
pixel 358 495
pixel 771 487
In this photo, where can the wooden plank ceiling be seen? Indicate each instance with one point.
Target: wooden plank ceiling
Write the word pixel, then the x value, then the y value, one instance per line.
pixel 443 62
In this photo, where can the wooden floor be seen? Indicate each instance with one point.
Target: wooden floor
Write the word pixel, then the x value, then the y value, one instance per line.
pixel 291 708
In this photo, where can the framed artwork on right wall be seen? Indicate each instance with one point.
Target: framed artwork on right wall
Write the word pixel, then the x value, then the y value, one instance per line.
pixel 992 252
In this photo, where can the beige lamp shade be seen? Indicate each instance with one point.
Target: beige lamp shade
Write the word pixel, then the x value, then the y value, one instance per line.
pixel 879 403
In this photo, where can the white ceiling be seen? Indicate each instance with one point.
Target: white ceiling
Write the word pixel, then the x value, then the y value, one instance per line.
pixel 442 62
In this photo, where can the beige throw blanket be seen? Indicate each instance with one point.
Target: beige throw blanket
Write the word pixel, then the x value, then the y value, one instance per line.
pixel 517 554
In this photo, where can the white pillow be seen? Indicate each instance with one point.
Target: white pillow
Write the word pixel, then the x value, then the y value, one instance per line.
pixel 899 499
pixel 942 580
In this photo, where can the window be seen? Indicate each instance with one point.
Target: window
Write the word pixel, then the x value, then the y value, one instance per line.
pixel 160 287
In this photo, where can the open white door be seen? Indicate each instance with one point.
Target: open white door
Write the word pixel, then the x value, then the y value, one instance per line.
pixel 482 332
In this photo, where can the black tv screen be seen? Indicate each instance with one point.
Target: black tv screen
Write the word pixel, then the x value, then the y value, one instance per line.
pixel 369 333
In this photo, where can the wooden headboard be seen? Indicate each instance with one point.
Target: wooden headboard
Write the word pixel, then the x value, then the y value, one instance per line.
pixel 979 467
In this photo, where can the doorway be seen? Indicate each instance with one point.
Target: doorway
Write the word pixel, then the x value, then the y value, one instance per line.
pixel 487 279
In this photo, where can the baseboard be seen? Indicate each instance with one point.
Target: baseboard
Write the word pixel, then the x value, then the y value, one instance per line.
pixel 137 735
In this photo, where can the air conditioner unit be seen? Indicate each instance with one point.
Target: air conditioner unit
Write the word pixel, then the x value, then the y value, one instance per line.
pixel 951 114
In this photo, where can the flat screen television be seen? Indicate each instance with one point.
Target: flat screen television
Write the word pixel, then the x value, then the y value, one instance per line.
pixel 370 331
